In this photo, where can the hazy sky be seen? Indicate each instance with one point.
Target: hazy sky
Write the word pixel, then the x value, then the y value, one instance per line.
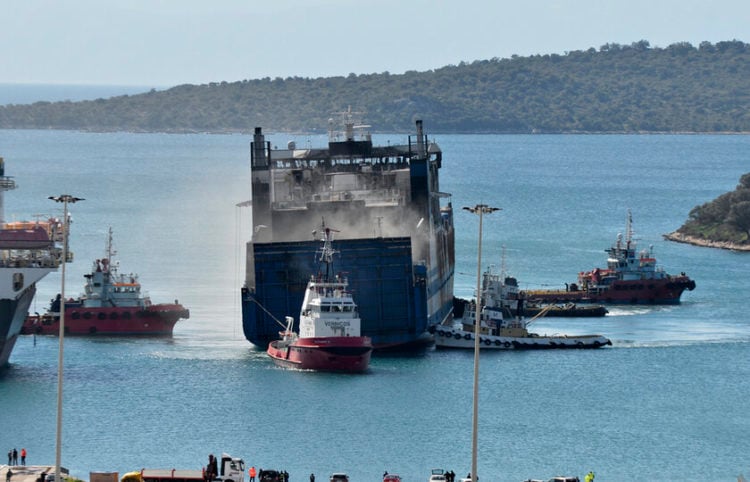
pixel 171 42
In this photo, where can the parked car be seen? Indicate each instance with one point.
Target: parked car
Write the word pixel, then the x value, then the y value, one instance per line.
pixel 269 476
pixel 391 478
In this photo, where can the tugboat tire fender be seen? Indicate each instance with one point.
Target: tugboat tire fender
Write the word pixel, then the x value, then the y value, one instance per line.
pixel 506 344
pixel 487 342
pixel 458 336
pixel 498 342
pixel 467 337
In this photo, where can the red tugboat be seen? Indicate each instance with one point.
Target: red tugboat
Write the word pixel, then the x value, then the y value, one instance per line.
pixel 629 278
pixel 329 337
pixel 112 305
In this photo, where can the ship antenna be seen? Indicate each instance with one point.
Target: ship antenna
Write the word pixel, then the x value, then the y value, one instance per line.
pixel 502 264
pixel 327 252
pixel 629 229
pixel 109 249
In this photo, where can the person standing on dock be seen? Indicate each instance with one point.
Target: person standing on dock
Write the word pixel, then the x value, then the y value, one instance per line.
pixel 10 457
pixel 251 472
pixel 211 468
pixel 23 456
pixel 312 477
pixel 15 457
pixel 8 475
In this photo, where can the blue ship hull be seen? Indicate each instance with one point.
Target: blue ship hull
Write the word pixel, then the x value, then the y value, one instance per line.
pixel 391 291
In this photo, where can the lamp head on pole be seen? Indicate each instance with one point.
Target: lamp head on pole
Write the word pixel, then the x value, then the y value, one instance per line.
pixel 481 209
pixel 66 198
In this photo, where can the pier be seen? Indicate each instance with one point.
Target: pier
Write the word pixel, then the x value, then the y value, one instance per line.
pixel 28 473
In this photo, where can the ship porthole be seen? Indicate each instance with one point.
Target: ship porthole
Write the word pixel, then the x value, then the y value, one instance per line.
pixel 75 315
pixel 101 316
pixel 87 315
pixel 113 315
pixel 126 315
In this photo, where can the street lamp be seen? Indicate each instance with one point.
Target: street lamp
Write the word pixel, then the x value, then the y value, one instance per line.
pixel 65 199
pixel 480 209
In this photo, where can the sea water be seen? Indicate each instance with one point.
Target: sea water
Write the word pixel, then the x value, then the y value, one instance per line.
pixel 668 401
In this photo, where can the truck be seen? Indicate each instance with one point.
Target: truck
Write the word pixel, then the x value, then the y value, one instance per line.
pixel 231 469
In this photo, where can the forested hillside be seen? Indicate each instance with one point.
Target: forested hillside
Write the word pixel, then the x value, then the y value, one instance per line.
pixel 617 88
pixel 723 222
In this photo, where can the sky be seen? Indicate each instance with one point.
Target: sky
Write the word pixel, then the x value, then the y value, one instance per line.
pixel 163 43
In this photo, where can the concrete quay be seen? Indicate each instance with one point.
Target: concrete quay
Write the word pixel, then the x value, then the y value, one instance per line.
pixel 27 473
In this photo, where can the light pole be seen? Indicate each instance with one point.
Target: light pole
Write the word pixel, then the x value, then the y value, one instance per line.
pixel 65 199
pixel 480 209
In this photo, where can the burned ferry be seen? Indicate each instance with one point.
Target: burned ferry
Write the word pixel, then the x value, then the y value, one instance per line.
pixel 396 240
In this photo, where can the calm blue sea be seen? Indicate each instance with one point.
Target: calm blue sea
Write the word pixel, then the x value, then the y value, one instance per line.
pixel 667 402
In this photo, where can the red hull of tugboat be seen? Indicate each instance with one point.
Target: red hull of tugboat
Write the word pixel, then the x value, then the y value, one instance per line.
pixel 335 354
pixel 647 291
pixel 154 320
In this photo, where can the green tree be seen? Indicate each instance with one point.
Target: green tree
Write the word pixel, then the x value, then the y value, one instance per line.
pixel 739 216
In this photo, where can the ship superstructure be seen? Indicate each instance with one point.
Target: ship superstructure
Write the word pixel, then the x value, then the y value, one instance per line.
pixel 398 248
pixel 29 250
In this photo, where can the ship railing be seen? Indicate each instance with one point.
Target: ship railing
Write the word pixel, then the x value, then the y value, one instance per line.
pixel 392 197
pixel 32 258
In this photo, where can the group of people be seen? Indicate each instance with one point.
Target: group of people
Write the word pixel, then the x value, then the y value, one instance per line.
pixel 13 457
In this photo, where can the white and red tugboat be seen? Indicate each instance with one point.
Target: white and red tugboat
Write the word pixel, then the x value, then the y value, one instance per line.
pixel 329 327
pixel 111 305
pixel 629 278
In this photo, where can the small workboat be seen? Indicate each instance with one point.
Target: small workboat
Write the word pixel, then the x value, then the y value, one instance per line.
pixel 329 337
pixel 497 332
pixel 500 329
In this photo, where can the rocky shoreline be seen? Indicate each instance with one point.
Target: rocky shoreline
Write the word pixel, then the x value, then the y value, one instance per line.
pixel 707 243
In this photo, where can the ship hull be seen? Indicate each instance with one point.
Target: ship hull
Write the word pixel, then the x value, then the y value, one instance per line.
pixel 154 320
pixel 449 337
pixel 335 354
pixel 397 300
pixel 628 292
pixel 12 314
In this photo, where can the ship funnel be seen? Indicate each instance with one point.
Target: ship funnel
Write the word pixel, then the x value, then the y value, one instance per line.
pixel 258 151
pixel 420 139
pixel 6 184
